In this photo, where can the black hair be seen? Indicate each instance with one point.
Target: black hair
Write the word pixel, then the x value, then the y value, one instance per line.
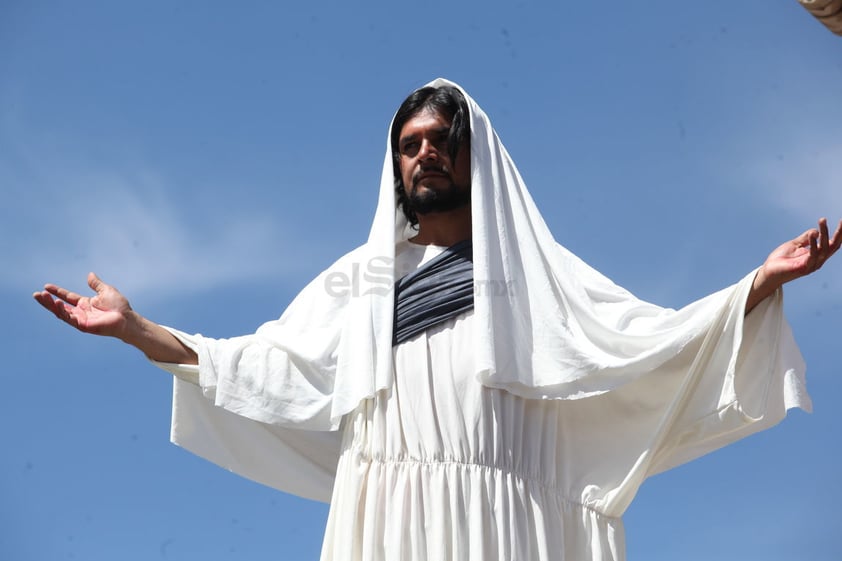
pixel 448 102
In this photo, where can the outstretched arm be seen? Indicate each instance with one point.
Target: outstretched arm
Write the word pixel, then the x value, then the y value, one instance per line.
pixel 109 313
pixel 794 259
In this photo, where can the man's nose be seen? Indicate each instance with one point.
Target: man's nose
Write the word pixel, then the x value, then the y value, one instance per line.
pixel 428 151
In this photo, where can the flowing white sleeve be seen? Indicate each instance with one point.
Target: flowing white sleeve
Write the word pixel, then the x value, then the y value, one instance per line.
pixel 301 462
pixel 739 377
pixel 723 406
pixel 260 404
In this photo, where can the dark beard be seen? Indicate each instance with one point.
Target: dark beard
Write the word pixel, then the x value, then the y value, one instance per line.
pixel 430 200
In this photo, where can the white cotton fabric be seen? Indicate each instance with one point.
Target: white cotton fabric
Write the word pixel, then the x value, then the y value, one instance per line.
pixel 442 467
pixel 521 430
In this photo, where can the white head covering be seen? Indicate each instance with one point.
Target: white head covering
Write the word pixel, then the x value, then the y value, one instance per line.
pixel 547 324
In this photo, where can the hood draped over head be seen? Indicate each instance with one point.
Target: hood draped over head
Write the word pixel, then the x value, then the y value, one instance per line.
pixel 547 324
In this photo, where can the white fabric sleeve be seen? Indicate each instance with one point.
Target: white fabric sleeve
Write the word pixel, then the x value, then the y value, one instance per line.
pixel 301 462
pixel 740 378
pixel 722 407
pixel 284 374
pixel 187 372
pixel 261 405
pixel 259 377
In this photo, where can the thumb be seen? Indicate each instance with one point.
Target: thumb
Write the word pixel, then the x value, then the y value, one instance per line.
pixel 804 239
pixel 96 283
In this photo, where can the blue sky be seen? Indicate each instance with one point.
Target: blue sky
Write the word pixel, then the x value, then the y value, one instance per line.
pixel 210 158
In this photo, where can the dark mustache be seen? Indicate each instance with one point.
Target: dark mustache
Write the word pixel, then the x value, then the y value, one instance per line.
pixel 428 169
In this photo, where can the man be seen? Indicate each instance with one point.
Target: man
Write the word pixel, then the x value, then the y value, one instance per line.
pixel 469 388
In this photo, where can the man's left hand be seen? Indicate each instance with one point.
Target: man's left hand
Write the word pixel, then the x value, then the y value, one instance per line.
pixel 794 259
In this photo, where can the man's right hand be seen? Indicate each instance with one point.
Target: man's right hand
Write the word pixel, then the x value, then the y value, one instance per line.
pixel 107 313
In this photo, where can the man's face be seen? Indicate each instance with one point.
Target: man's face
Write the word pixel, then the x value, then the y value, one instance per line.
pixel 433 181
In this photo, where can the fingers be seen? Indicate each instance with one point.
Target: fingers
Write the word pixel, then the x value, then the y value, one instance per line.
pixel 824 236
pixel 815 259
pixel 836 240
pixel 70 297
pixel 807 238
pixel 822 245
pixel 829 244
pixel 45 299
pixel 62 293
pixel 57 307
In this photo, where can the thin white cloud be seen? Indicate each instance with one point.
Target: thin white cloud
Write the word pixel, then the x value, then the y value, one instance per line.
pixel 804 178
pixel 801 177
pixel 792 144
pixel 64 217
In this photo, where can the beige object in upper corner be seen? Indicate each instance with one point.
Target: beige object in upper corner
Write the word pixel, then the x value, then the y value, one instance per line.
pixel 829 12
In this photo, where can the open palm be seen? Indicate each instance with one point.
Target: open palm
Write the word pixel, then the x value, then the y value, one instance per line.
pixel 803 255
pixel 102 314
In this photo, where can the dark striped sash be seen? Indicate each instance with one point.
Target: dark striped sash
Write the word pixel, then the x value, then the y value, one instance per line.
pixel 442 288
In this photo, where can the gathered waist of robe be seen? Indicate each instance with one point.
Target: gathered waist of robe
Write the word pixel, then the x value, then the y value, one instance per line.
pixel 449 467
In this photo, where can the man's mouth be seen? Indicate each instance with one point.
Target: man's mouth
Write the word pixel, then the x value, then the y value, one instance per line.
pixel 425 174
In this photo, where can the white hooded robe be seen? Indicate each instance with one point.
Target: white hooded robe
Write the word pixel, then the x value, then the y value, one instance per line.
pixel 519 430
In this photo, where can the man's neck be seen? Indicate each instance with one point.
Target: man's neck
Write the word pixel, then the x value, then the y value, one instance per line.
pixel 444 228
